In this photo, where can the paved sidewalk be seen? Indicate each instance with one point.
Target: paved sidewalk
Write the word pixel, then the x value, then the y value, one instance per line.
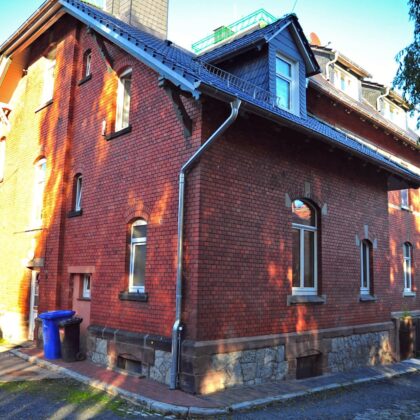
pixel 157 397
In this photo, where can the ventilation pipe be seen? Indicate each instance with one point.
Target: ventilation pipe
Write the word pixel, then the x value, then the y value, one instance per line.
pixel 177 327
pixel 327 67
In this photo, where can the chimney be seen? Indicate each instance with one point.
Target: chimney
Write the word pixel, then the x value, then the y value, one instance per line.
pixel 151 15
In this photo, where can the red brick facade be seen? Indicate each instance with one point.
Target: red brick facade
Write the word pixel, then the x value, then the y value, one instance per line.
pixel 237 275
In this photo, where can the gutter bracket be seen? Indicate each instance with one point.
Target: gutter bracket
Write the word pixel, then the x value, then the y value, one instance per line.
pixel 181 112
pixel 109 61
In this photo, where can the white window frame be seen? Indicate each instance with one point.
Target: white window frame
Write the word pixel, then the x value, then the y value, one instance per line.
pixel 135 242
pixel 294 83
pixel 86 286
pixel 2 158
pixel 302 228
pixel 405 200
pixel 78 193
pixel 365 290
pixel 120 124
pixel 39 188
pixel 347 76
pixel 49 79
pixel 88 63
pixel 408 267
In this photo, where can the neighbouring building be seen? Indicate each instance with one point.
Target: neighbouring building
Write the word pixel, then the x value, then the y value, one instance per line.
pixel 245 215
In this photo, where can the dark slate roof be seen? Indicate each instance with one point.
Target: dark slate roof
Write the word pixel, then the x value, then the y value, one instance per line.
pixel 262 36
pixel 184 67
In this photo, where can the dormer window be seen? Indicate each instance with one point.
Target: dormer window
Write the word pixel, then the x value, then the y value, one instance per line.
pixel 287 84
pixel 394 113
pixel 346 82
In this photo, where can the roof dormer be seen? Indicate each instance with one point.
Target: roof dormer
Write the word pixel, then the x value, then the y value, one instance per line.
pixel 275 58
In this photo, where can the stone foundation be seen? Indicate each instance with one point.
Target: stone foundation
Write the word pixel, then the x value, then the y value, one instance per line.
pixel 151 354
pixel 359 350
pixel 214 365
pixel 250 366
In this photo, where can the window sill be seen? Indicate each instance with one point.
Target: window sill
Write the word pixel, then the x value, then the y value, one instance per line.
pixel 306 299
pixel 83 299
pixel 409 294
pixel 118 133
pixel 138 297
pixel 367 298
pixel 84 80
pixel 74 213
pixel 48 103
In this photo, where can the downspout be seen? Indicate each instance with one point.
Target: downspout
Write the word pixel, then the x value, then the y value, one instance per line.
pixel 177 327
pixel 327 67
pixel 378 108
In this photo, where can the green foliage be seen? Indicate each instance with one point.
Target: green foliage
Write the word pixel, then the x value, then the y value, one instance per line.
pixel 408 74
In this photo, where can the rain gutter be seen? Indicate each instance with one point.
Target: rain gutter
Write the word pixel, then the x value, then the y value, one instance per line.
pixel 177 327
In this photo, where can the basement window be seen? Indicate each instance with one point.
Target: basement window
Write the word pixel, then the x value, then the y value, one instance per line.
pixel 309 366
pixel 131 366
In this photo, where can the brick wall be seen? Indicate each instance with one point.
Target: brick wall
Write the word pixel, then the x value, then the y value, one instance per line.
pixel 131 176
pixel 246 235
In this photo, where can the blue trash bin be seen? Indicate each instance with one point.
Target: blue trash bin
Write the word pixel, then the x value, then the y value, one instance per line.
pixel 50 332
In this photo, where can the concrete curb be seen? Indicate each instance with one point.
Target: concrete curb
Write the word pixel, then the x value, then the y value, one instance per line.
pixel 185 412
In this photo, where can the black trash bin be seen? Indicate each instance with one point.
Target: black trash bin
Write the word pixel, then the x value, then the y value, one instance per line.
pixel 70 339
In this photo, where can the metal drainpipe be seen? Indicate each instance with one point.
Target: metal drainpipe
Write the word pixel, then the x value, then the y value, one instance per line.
pixel 327 67
pixel 378 108
pixel 177 327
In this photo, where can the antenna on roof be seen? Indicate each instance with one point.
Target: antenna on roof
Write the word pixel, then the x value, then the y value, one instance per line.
pixel 294 6
pixel 314 39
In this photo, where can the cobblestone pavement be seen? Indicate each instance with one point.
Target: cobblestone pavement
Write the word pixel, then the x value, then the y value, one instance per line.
pixel 393 399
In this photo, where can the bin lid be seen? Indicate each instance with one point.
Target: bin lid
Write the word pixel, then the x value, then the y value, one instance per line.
pixel 70 321
pixel 57 314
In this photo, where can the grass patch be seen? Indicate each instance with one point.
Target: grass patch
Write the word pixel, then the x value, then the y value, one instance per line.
pixel 70 392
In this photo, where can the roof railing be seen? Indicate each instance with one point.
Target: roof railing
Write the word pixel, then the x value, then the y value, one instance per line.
pixel 260 17
pixel 248 88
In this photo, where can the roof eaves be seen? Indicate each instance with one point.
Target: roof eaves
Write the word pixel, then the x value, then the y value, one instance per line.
pixel 132 48
pixel 313 127
pixel 33 25
pixel 331 91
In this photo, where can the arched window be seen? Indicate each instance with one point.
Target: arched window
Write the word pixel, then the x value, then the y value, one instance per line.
pixel 40 178
pixel 366 269
pixel 408 264
pixel 304 254
pixel 2 157
pixel 123 100
pixel 138 238
pixel 78 192
pixel 87 63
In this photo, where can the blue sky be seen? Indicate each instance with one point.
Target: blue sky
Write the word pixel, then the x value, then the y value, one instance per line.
pixel 371 32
